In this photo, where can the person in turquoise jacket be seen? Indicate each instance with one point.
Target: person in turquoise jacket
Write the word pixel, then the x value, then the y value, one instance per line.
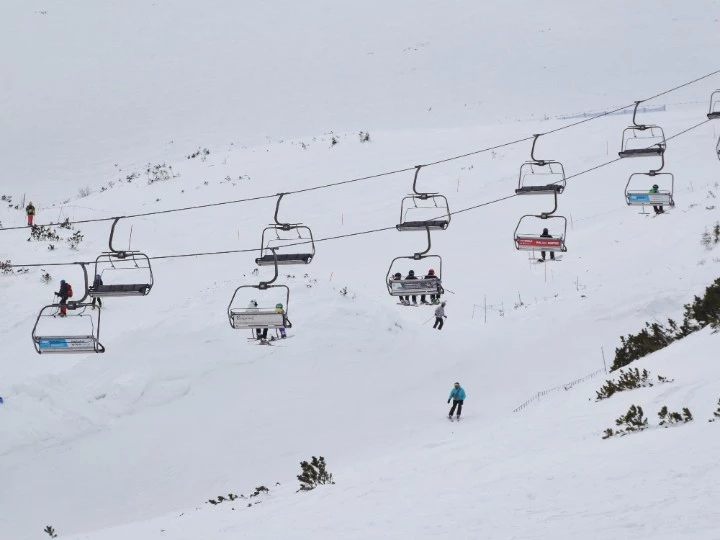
pixel 457 395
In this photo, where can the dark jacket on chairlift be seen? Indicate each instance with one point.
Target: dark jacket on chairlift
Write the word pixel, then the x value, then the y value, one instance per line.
pixel 411 275
pixel 545 234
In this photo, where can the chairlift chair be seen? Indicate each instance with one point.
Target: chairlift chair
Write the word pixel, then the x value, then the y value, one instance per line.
pixel 421 285
pixel 641 140
pixel 130 272
pixel 79 332
pixel 539 176
pixel 527 241
pixel 272 235
pixel 637 189
pixel 245 318
pixel 717 148
pixel 419 204
pixel 714 112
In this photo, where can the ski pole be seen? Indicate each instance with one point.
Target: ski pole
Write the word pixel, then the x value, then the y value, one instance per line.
pixel 448 290
pixel 430 319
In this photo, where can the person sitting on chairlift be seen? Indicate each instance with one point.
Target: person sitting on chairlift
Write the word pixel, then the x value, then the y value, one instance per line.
pixel 261 332
pixel 434 298
pixel 411 275
pixel 279 309
pixel 658 208
pixel 546 234
pixel 97 282
pixel 397 276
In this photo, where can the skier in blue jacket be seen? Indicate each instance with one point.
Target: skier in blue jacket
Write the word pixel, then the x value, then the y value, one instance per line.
pixel 457 395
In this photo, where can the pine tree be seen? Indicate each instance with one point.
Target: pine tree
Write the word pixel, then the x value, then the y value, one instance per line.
pixel 314 474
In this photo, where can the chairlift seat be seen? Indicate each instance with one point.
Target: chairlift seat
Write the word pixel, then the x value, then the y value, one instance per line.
pixel 713 115
pixel 656 150
pixel 638 198
pixel 285 259
pixel 68 344
pixel 540 190
pixel 242 319
pixel 101 291
pixel 403 287
pixel 433 225
pixel 529 242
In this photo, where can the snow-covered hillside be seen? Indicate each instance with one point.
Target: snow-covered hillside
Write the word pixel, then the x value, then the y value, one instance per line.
pixel 182 408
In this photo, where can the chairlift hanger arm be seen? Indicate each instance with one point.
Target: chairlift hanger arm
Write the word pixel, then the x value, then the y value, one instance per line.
pixel 532 150
pixel 545 215
pixel 639 126
pixel 422 196
pixel 653 172
pixel 265 284
pixel 419 255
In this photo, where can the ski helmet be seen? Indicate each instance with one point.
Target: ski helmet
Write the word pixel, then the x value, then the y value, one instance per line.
pixel 397 275
pixel 443 304
pixel 431 272
pixel 411 273
pixel 655 186
pixel 545 231
pixel 278 306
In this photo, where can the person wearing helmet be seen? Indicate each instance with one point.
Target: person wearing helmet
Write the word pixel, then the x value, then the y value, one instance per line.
pixel 658 208
pixel 546 234
pixel 30 211
pixel 411 275
pixel 434 298
pixel 440 316
pixel 397 276
pixel 457 395
pixel 97 282
pixel 280 309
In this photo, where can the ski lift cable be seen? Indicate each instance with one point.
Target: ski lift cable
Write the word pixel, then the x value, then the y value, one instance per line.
pixel 358 233
pixel 378 175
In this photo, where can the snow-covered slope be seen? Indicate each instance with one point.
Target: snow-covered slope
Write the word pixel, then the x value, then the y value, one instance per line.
pixel 181 407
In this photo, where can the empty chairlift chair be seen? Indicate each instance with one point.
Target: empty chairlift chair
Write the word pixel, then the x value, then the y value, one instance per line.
pixel 641 140
pixel 122 273
pixel 295 238
pixel 78 332
pixel 540 177
pixel 423 211
pixel 714 112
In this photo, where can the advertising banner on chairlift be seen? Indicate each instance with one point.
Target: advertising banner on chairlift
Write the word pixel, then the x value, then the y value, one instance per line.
pixel 50 344
pixel 648 198
pixel 534 242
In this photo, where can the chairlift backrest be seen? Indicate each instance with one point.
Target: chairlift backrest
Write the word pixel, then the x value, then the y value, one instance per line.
pixel 300 248
pixel 244 317
pixel 531 241
pixel 714 111
pixel 418 285
pixel 432 208
pixel 637 189
pixel 127 273
pixel 65 337
pixel 541 177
